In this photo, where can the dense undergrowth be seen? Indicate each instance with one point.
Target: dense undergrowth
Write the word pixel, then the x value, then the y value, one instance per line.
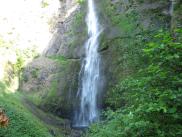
pixel 21 122
pixel 148 103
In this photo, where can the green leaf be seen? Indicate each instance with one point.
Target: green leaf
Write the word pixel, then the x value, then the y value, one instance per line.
pixel 172 110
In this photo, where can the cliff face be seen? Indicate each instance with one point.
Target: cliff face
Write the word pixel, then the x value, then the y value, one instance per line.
pixel 69 34
pixel 51 81
pixel 128 26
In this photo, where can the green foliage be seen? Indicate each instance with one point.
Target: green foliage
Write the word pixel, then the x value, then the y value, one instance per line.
pixel 15 63
pixel 22 56
pixel 78 19
pixel 18 67
pixel 22 123
pixel 60 59
pixel 52 93
pixel 80 1
pixel 44 3
pixel 125 42
pixel 78 30
pixel 126 21
pixel 149 103
pixel 5 44
pixel 35 73
pixel 49 97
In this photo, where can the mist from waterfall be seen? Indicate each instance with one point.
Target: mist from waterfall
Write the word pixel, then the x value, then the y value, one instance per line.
pixel 90 73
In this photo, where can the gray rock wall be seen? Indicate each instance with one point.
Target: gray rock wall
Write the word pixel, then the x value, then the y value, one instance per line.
pixel 50 81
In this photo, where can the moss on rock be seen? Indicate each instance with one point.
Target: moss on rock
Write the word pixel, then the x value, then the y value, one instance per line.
pixel 128 25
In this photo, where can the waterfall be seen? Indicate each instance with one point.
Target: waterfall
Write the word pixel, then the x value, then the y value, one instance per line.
pixel 171 9
pixel 90 73
pixel 171 12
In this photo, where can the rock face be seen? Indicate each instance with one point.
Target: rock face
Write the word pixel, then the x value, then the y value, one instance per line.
pixel 176 13
pixel 69 28
pixel 38 73
pixel 128 26
pixel 51 81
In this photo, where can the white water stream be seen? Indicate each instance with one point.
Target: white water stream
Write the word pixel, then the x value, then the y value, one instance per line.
pixel 90 73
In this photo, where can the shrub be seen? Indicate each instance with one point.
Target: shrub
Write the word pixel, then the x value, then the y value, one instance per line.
pixel 148 104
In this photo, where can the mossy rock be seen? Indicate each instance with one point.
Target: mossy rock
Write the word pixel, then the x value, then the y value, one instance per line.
pixel 128 25
pixel 61 96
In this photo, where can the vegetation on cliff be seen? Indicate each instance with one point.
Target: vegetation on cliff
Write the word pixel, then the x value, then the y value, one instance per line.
pixel 146 65
pixel 148 103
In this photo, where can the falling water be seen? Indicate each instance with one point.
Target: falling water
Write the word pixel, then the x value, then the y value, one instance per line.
pixel 171 12
pixel 90 73
pixel 171 9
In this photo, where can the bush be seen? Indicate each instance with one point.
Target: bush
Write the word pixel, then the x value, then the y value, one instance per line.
pixel 148 104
